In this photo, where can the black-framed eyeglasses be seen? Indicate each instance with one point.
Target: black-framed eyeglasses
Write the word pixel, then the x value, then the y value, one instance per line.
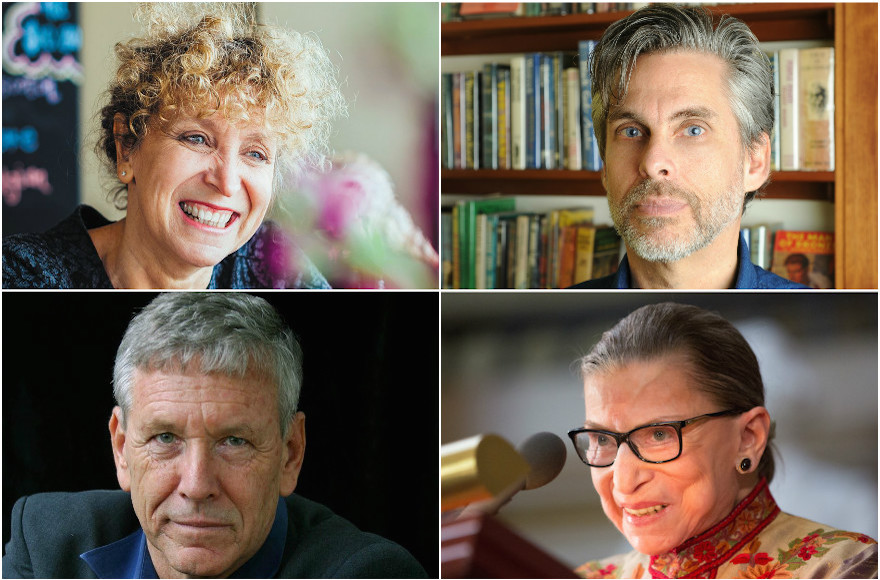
pixel 654 443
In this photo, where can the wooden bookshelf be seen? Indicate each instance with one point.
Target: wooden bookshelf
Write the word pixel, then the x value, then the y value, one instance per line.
pixel 769 22
pixel 852 186
pixel 816 185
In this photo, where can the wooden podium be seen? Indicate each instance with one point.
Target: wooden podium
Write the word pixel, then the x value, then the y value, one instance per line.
pixel 482 547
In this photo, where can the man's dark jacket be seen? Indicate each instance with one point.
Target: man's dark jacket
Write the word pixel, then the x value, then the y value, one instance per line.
pixel 51 530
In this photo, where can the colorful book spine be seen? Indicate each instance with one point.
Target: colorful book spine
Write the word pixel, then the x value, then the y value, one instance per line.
pixel 500 253
pixel 533 110
pixel 548 110
pixel 573 153
pixel 521 265
pixel 446 248
pixel 472 120
pixel 491 250
pixel 503 91
pixel 590 148
pixel 456 246
pixel 583 268
pixel 458 118
pixel 489 115
pixel 470 210
pixel 567 255
pixel 447 150
pixel 518 112
pixel 559 109
pixel 481 231
pixel 534 257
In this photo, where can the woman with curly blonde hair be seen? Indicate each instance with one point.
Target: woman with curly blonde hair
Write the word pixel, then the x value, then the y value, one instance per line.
pixel 205 114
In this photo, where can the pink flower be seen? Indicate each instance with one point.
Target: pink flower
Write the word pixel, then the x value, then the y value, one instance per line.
pixel 342 199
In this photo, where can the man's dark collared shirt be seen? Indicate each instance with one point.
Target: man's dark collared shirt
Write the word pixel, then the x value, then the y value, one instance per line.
pixel 748 275
pixel 129 557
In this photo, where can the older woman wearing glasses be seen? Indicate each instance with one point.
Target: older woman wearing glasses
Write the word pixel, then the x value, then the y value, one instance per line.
pixel 677 439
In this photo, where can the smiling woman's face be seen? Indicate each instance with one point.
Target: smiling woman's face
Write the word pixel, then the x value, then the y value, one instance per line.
pixel 198 190
pixel 659 506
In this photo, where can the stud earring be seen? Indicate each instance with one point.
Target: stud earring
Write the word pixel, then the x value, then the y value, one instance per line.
pixel 123 174
pixel 745 465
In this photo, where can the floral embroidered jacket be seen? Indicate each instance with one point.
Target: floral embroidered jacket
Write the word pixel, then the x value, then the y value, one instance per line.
pixel 756 540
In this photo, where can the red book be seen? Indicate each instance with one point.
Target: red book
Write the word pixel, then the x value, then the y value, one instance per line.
pixel 805 257
pixel 488 8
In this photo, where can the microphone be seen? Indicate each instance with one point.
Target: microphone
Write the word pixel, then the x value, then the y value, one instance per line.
pixel 540 459
pixel 545 454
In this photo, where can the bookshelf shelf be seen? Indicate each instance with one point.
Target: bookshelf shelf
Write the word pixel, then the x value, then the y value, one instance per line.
pixel 814 185
pixel 769 22
pixel 852 187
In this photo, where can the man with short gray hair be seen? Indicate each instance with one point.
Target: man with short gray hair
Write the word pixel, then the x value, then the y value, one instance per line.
pixel 683 113
pixel 208 446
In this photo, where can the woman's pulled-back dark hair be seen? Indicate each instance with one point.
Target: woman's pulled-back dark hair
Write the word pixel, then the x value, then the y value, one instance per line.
pixel 721 363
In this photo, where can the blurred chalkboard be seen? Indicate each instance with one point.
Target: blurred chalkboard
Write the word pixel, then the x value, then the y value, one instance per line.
pixel 41 71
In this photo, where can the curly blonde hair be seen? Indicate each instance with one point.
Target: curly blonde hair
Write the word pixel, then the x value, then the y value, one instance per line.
pixel 201 58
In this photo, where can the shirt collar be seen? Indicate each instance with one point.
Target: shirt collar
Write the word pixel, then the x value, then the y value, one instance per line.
pixel 129 557
pixel 746 271
pixel 714 547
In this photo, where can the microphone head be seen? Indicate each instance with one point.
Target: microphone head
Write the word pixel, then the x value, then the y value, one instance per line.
pixel 545 454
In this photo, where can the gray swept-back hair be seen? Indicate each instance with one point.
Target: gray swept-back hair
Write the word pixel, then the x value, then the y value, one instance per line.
pixel 667 28
pixel 721 363
pixel 235 334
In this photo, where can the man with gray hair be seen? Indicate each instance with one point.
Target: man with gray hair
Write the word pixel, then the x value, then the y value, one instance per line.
pixel 208 445
pixel 683 113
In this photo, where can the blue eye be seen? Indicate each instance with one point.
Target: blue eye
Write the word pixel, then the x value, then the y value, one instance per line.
pixel 695 130
pixel 194 139
pixel 258 155
pixel 165 438
pixel 236 441
pixel 631 132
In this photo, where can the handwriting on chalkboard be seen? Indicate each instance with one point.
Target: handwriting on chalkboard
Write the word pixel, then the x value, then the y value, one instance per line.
pixel 41 71
pixel 19 178
pixel 24 139
pixel 37 41
pixel 32 89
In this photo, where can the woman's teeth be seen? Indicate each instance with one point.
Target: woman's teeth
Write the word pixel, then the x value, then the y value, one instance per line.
pixel 217 219
pixel 645 511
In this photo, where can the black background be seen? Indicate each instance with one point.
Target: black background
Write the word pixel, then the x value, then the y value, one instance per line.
pixel 370 395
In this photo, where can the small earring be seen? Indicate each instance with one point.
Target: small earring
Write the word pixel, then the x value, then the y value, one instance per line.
pixel 123 174
pixel 745 465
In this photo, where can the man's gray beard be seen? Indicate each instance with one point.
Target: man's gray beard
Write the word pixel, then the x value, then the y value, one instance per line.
pixel 709 221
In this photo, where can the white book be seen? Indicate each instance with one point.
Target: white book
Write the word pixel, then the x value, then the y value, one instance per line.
pixel 518 111
pixel 789 109
pixel 573 119
pixel 817 108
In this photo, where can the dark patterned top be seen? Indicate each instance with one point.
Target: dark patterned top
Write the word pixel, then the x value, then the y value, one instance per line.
pixel 64 257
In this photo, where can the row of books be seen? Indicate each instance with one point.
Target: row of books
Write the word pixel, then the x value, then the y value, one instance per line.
pixel 471 10
pixel 488 244
pixel 534 113
pixel 800 256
